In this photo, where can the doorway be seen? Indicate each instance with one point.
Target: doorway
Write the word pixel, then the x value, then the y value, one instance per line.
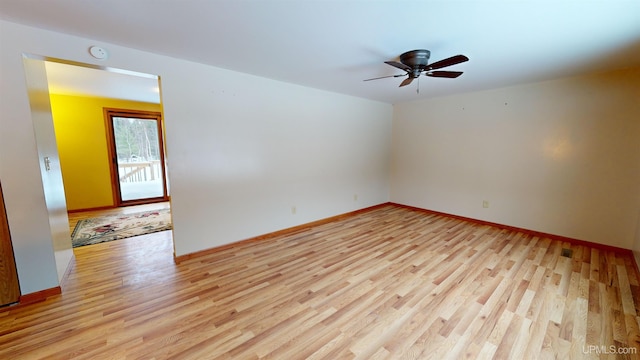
pixel 136 150
pixel 49 78
pixel 81 97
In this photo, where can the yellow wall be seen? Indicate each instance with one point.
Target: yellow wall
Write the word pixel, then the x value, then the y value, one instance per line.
pixel 82 144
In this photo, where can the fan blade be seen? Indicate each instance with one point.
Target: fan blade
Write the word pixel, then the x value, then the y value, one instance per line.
pixel 444 74
pixel 398 65
pixel 406 81
pixel 383 77
pixel 447 62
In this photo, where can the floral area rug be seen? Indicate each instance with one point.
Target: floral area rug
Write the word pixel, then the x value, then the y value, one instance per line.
pixel 115 227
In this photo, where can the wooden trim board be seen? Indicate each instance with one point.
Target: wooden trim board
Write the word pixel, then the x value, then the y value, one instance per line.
pixel 298 228
pixel 40 295
pixel 303 227
pixel 518 229
pixel 533 233
pixel 9 285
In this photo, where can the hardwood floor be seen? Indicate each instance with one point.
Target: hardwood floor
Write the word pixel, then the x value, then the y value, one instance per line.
pixel 390 283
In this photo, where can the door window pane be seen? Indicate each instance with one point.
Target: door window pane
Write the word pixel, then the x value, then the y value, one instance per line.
pixel 138 158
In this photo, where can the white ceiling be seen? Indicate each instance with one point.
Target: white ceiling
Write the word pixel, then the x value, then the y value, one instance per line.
pixel 69 79
pixel 336 44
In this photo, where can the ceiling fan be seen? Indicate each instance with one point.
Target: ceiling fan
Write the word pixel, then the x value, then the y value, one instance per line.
pixel 416 62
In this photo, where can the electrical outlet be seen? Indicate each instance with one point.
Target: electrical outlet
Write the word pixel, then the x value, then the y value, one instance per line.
pixel 485 204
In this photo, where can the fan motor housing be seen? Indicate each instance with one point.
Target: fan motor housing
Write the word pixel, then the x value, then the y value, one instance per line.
pixel 416 58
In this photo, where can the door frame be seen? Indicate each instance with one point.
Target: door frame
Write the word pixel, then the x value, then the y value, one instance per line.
pixel 10 287
pixel 109 114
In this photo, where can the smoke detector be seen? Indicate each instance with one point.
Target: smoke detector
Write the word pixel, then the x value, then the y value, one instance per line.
pixel 98 52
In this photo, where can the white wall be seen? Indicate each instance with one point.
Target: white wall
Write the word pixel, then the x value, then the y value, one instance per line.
pixel 561 156
pixel 27 212
pixel 252 148
pixel 242 150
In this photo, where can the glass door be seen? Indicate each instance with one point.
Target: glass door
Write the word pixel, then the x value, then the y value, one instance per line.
pixel 138 171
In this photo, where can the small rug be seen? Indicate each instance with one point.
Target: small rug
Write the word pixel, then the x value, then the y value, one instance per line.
pixel 115 227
